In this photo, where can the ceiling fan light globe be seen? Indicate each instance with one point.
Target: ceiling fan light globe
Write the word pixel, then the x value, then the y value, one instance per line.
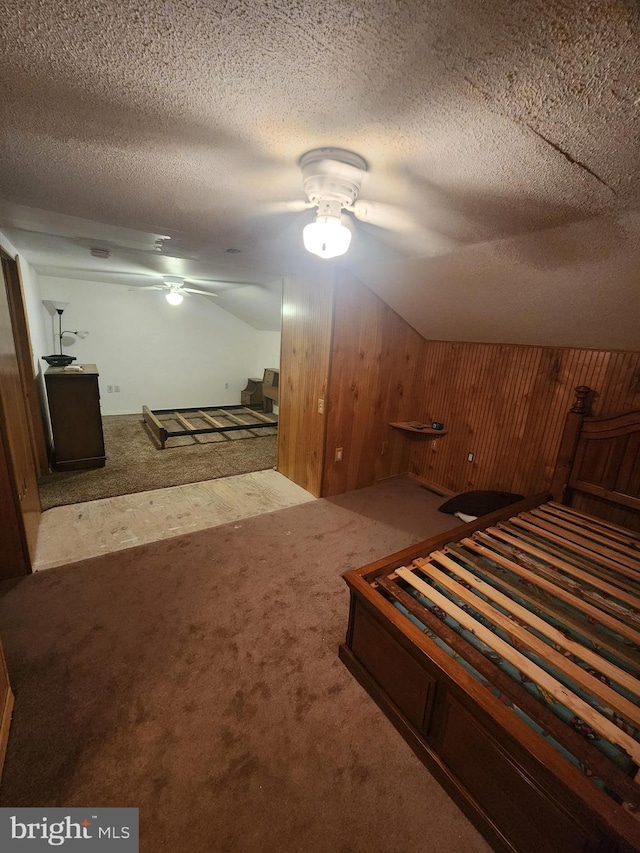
pixel 174 298
pixel 327 237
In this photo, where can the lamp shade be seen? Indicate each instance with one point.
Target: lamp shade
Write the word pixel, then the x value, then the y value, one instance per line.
pixel 174 298
pixel 327 237
pixel 54 308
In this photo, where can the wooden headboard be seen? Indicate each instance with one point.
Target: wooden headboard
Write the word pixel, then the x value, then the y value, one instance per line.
pixel 598 468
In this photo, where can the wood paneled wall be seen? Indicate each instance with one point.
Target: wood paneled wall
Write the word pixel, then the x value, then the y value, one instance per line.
pixel 507 405
pixel 504 403
pixel 374 365
pixel 304 370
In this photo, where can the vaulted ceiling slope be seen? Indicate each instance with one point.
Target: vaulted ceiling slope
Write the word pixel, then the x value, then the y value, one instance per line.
pixel 481 121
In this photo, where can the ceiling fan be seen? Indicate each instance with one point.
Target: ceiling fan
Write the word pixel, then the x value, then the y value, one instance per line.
pixel 332 179
pixel 176 287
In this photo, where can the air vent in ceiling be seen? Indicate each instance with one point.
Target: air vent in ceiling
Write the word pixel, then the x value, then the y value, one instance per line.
pixel 97 252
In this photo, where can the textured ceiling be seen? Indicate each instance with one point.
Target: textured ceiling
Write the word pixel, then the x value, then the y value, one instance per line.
pixel 481 120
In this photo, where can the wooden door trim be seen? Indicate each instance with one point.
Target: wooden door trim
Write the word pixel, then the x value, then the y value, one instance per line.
pixel 22 339
pixel 18 470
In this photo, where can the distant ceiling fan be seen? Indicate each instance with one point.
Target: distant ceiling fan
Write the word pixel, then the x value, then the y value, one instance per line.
pixel 176 287
pixel 332 178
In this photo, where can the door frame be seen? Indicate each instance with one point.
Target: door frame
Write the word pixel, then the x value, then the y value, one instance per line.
pixel 22 340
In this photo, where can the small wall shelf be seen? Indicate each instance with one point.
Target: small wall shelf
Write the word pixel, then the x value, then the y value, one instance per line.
pixel 416 428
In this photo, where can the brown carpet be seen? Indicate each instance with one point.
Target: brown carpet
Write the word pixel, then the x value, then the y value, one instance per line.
pixel 135 464
pixel 198 679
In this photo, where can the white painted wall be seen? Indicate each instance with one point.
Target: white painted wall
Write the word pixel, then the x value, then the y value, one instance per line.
pixel 267 352
pixel 158 355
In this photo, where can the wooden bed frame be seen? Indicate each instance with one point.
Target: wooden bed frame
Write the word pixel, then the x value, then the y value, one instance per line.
pixel 257 420
pixel 539 558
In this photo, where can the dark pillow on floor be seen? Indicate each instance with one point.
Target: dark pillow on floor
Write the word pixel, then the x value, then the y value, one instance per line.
pixel 479 502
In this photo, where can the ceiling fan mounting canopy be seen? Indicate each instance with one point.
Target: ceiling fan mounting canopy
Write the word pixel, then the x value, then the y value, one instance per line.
pixel 332 174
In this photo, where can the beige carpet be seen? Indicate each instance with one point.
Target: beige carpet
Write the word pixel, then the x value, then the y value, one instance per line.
pixel 198 679
pixel 135 464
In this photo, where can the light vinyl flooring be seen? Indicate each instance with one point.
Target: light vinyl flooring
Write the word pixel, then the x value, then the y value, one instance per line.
pixel 68 534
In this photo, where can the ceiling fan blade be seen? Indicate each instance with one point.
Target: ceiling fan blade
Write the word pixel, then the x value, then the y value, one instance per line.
pixel 235 284
pixel 383 215
pixel 403 232
pixel 296 205
pixel 148 287
pixel 201 292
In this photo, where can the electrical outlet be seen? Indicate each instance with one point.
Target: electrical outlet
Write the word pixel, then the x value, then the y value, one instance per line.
pixel 470 456
pixel 320 407
pixel 385 448
pixel 109 389
pixel 338 457
pixel 116 389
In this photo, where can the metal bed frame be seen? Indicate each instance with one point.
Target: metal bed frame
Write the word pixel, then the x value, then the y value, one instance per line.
pixel 161 433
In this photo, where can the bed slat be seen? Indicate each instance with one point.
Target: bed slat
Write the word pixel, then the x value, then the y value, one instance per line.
pixel 589 757
pixel 211 420
pixel 511 547
pixel 553 513
pixel 558 609
pixel 604 555
pixel 565 696
pixel 624 679
pixel 524 638
pixel 615 578
pixel 628 549
pixel 618 627
pixel 600 522
pixel 568 568
pixel 185 423
pixel 583 539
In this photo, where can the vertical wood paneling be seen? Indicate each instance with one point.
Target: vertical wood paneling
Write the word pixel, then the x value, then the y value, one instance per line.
pixel 375 356
pixel 505 403
pixel 508 403
pixel 304 370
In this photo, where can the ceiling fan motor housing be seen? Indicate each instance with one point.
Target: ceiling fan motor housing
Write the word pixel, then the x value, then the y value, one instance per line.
pixel 332 175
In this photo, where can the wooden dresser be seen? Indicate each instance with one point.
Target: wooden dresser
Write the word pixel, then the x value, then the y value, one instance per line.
pixel 74 406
